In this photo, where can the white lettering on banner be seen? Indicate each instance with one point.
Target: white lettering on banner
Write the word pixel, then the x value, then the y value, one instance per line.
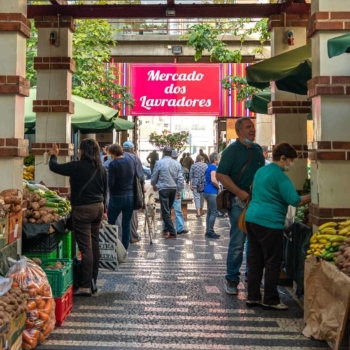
pixel 157 76
pixel 183 102
pixel 171 89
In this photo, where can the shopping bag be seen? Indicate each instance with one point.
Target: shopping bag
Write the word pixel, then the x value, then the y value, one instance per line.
pixel 108 246
pixel 289 221
pixel 122 254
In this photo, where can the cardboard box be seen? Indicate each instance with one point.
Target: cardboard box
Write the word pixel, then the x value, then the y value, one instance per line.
pixel 18 344
pixel 17 326
pixel 5 337
pixel 4 231
pixel 15 225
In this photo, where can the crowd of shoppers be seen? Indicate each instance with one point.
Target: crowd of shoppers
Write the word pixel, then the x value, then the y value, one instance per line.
pixel 243 170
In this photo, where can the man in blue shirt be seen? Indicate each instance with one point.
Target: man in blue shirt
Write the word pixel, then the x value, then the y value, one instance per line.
pixel 239 163
pixel 168 179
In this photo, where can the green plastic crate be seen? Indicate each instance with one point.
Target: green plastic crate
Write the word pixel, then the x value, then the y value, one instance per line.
pixel 60 250
pixel 52 255
pixel 60 281
pixel 66 239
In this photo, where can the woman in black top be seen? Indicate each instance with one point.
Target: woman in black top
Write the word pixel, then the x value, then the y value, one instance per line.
pixel 88 180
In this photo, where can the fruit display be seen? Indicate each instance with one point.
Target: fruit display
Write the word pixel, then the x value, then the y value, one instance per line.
pixel 302 214
pixel 40 304
pixel 43 206
pixel 28 172
pixel 327 241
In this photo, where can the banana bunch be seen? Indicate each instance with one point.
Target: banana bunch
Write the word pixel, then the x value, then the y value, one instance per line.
pixel 28 173
pixel 327 240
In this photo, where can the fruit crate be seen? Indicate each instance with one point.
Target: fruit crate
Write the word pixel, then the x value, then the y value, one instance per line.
pixel 66 239
pixel 47 243
pixel 64 306
pixel 60 281
pixel 53 255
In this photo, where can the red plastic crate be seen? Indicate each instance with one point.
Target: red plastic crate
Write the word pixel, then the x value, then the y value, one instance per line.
pixel 64 306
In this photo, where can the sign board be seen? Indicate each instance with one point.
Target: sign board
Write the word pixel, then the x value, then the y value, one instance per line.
pixel 176 89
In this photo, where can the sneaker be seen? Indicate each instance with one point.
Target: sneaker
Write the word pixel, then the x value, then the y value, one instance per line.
pixel 253 303
pixel 165 233
pixel 231 288
pixel 182 232
pixel 279 307
pixel 212 235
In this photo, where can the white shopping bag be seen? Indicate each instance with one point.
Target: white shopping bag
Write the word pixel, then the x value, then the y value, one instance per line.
pixel 109 246
pixel 289 221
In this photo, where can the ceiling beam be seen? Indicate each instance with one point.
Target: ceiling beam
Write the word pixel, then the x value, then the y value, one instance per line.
pixel 158 11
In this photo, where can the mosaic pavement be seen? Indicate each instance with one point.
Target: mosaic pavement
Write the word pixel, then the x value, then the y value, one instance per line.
pixel 170 295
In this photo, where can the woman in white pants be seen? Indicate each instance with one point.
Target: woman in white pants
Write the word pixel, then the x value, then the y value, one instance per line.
pixel 197 183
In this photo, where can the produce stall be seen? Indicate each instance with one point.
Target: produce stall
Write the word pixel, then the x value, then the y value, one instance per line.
pixel 43 275
pixel 327 283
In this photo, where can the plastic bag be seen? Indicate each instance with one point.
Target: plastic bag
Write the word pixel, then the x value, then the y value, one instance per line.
pixel 5 285
pixel 108 240
pixel 40 304
pixel 289 221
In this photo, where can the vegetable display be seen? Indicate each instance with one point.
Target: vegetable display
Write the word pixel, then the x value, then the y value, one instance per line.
pixel 329 242
pixel 43 206
pixel 12 304
pixel 40 306
pixel 302 214
pixel 10 202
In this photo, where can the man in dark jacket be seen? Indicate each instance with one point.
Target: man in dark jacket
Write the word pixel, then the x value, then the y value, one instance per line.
pixel 152 158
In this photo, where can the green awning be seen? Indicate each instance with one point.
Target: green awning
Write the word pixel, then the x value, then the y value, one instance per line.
pixel 258 103
pixel 339 45
pixel 290 71
pixel 88 115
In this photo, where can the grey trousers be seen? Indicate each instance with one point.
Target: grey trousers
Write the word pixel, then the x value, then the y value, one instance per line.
pixel 198 199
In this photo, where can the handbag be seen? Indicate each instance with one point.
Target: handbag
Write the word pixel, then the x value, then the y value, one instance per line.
pixel 200 185
pixel 138 190
pixel 241 221
pixel 223 199
pixel 69 218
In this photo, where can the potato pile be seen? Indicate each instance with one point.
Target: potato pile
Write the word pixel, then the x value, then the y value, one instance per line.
pixel 40 305
pixel 10 202
pixel 342 257
pixel 12 304
pixel 57 266
pixel 37 211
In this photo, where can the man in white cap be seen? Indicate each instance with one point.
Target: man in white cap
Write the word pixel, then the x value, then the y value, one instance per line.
pixel 180 220
pixel 168 179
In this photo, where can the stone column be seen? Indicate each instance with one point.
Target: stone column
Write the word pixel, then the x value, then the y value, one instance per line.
pixel 329 90
pixel 53 105
pixel 14 31
pixel 263 130
pixel 289 111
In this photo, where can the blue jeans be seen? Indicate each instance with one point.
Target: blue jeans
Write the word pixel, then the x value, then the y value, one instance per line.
pixel 124 204
pixel 236 245
pixel 180 221
pixel 212 212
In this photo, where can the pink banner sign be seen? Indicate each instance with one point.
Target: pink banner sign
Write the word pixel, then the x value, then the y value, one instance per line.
pixel 176 89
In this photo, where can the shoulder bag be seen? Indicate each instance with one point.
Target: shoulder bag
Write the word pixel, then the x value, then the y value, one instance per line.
pixel 241 221
pixel 138 191
pixel 69 219
pixel 223 199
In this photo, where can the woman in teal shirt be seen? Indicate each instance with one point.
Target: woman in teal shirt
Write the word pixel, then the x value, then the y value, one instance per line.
pixel 272 193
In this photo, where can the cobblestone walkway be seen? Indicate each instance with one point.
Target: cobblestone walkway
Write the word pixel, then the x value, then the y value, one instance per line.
pixel 170 295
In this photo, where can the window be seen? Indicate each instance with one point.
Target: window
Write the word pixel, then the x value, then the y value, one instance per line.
pixel 198 127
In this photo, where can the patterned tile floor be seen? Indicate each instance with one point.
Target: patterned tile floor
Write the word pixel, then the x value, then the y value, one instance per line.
pixel 170 295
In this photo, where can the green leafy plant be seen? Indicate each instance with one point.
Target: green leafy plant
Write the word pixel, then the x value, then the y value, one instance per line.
pixel 92 43
pixel 176 140
pixel 243 89
pixel 29 160
pixel 210 37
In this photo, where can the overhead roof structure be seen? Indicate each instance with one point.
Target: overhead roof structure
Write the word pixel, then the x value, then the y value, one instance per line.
pixel 162 9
